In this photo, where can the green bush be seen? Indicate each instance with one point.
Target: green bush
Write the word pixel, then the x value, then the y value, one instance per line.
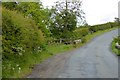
pixel 20 38
pixel 113 46
pixel 80 32
pixel 117 39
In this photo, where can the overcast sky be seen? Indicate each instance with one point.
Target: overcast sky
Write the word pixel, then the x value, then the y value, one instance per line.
pixel 96 11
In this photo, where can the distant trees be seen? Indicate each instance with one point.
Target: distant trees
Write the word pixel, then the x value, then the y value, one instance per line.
pixel 64 17
pixel 62 25
pixel 104 26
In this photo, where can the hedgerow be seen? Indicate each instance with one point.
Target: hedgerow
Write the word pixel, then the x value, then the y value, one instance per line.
pixel 80 32
pixel 99 27
pixel 20 38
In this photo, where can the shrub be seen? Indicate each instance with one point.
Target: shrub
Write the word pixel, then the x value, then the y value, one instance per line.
pixel 117 39
pixel 82 32
pixel 21 38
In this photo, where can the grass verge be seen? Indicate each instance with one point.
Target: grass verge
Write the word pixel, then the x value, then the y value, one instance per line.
pixel 115 50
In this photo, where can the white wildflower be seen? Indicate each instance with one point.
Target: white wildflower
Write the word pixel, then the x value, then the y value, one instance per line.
pixel 19 68
pixel 117 44
pixel 17 65
pixel 20 54
pixel 13 68
pixel 38 47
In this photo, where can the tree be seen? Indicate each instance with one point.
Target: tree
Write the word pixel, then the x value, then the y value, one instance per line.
pixel 36 11
pixel 58 26
pixel 65 16
pixel 32 10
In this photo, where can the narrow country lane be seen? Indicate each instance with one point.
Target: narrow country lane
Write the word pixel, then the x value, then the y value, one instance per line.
pixel 94 60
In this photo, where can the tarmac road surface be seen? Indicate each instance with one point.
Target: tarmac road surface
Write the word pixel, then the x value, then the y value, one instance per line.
pixel 94 60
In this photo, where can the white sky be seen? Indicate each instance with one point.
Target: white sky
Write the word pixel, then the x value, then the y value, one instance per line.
pixel 96 11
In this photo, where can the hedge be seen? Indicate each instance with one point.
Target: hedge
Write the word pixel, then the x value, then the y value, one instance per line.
pixel 20 38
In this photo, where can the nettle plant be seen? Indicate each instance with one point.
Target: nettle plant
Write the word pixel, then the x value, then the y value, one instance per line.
pixel 20 36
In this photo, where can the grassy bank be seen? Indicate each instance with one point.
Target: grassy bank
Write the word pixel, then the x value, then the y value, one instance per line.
pixel 113 45
pixel 115 50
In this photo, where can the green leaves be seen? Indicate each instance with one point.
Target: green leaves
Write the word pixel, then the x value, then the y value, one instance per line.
pixel 64 19
pixel 117 40
pixel 33 10
pixel 19 38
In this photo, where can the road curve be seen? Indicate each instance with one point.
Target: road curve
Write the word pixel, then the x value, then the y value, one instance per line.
pixel 94 60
